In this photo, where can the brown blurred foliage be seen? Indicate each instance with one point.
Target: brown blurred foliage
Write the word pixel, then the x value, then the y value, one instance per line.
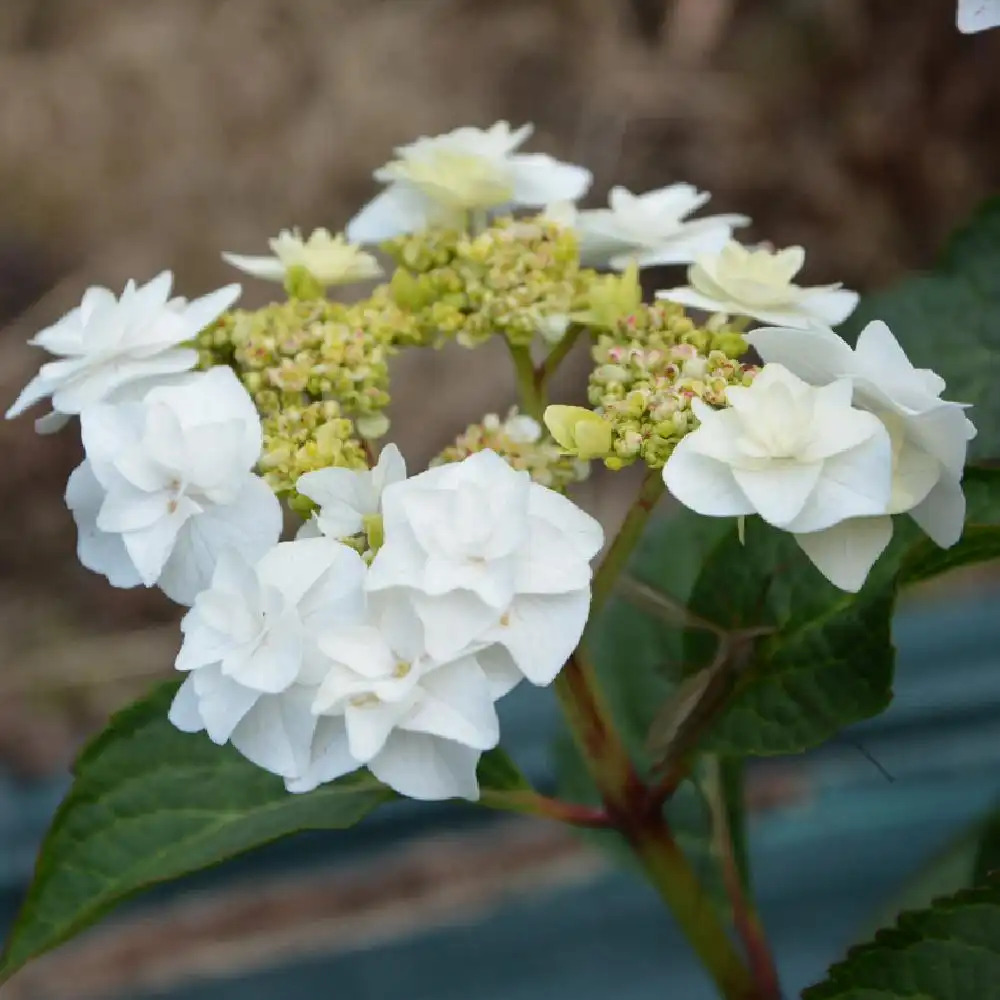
pixel 141 134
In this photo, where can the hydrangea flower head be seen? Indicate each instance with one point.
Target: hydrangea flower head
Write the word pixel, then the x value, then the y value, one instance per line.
pixel 738 281
pixel 329 260
pixel 801 457
pixel 349 498
pixel 167 485
pixel 108 347
pixel 930 435
pixel 651 229
pixel 251 654
pixel 486 558
pixel 418 724
pixel 440 180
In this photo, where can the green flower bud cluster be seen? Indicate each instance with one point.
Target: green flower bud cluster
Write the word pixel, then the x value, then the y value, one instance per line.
pixel 302 438
pixel 524 444
pixel 648 371
pixel 303 351
pixel 516 278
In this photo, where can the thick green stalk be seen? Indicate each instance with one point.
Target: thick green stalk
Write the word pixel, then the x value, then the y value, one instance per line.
pixel 671 875
pixel 528 386
pixel 625 541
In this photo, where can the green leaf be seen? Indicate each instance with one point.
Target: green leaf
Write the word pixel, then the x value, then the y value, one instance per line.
pixel 950 951
pixel 980 541
pixel 148 804
pixel 949 320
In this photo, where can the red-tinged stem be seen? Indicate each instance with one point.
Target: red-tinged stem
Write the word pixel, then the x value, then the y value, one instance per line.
pixel 531 803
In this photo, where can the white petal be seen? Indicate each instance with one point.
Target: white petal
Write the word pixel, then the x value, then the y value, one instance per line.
pixel 550 563
pixel 185 711
pixel 51 422
pixel 150 547
pixel 457 705
pixel 266 268
pixel 331 757
pixel 856 483
pixel 37 389
pixel 542 632
pixel 584 531
pixel 703 484
pixel 277 733
pixel 390 468
pixel 250 525
pixel 941 514
pixel 345 496
pixel 293 568
pixel 362 648
pixel 501 671
pixel 369 726
pixel 846 552
pixel 427 768
pixel 273 664
pixel 223 703
pixel 539 179
pixel 817 355
pixel 200 312
pixel 779 491
pixel 829 305
pixel 695 300
pixel 398 209
pixel 100 552
pixel 202 645
pixel 452 622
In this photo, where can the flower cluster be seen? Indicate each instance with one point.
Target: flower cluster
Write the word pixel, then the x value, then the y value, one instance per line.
pixel 313 663
pixel 290 351
pixel 758 284
pixel 523 443
pixel 648 368
pixel 455 180
pixel 649 229
pixel 517 279
pixel 828 443
pixel 383 635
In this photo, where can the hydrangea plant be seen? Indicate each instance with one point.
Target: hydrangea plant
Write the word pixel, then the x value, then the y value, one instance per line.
pixel 358 655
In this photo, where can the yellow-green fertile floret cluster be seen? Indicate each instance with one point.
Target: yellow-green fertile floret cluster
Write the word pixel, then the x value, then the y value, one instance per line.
pixel 517 278
pixel 300 439
pixel 304 351
pixel 647 371
pixel 524 443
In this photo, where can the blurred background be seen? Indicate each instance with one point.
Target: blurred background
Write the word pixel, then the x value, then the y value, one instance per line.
pixel 142 134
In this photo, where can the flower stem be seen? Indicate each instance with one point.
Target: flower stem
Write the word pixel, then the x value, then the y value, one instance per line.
pixel 529 386
pixel 746 920
pixel 531 803
pixel 626 540
pixel 556 356
pixel 671 875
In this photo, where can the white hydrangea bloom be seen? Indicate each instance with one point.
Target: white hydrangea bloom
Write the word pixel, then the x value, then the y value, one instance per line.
pixel 930 435
pixel 801 457
pixel 346 497
pixel 442 180
pixel 758 283
pixel 485 557
pixel 418 724
pixel 250 651
pixel 977 15
pixel 167 485
pixel 110 347
pixel 331 260
pixel 651 229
